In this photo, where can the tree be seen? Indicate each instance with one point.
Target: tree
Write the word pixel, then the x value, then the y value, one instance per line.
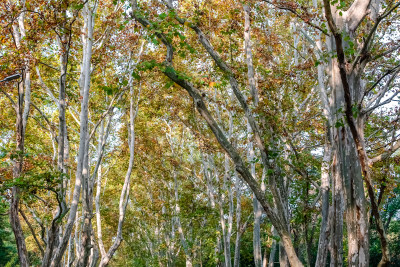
pixel 169 133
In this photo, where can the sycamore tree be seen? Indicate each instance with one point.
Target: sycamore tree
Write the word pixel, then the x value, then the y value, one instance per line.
pixel 342 36
pixel 199 133
pixel 58 55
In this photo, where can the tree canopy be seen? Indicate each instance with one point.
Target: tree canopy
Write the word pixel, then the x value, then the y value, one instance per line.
pixel 199 133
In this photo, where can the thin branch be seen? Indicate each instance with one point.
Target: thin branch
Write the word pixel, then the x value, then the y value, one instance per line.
pixel 387 101
pixel 387 52
pixel 47 65
pixel 11 100
pixel 109 109
pixel 378 97
pixel 386 154
pixel 47 120
pixel 363 52
pixel 293 9
pixel 39 221
pixel 49 92
pixel 32 231
pixel 379 80
pixel 395 138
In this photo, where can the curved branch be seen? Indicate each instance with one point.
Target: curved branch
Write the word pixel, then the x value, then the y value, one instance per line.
pixel 32 231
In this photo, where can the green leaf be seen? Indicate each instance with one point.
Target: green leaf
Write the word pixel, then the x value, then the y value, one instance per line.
pixel 147 65
pixel 108 90
pixel 355 111
pixel 181 36
pixel 169 84
pixel 171 13
pixel 339 124
pixel 135 75
pixel 77 6
pixel 162 16
pixel 169 69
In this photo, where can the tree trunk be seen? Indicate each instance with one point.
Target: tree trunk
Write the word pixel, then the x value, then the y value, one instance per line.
pixel 336 245
pixel 124 197
pixel 351 176
pixel 273 249
pixel 22 112
pixel 257 210
pixel 81 168
pixel 201 107
pixel 257 233
pixel 17 170
pixel 323 242
pixel 350 94
pixel 283 257
pixel 236 259
pixel 179 225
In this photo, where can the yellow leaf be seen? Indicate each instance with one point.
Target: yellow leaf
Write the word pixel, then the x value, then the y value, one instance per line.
pixel 211 84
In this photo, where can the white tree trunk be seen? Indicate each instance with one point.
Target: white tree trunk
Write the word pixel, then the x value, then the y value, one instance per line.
pixel 124 197
pixel 81 169
pixel 236 260
pixel 273 248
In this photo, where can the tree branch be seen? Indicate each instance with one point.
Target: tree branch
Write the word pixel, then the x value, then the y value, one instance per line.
pixel 386 154
pixel 292 8
pixel 32 231
pixel 11 100
pixel 356 13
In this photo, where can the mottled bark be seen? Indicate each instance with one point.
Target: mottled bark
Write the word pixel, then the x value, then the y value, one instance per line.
pixel 62 152
pixel 324 236
pixel 22 107
pixel 338 204
pixel 326 174
pixel 352 144
pixel 81 168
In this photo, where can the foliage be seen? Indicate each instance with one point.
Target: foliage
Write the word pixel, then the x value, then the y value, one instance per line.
pixel 186 194
pixel 8 251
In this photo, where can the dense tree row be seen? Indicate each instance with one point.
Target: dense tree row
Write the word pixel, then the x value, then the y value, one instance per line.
pixel 199 133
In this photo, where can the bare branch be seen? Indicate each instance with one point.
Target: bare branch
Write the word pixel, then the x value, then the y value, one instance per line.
pixel 378 97
pixel 47 65
pixel 387 52
pixel 386 154
pixel 387 101
pixel 363 54
pixel 116 98
pixel 380 79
